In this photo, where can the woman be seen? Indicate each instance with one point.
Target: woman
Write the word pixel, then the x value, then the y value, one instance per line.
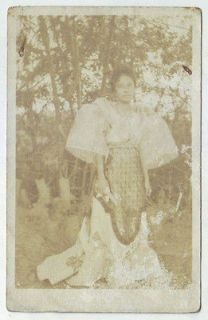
pixel 113 145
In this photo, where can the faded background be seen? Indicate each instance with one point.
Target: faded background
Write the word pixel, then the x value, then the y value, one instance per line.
pixel 64 62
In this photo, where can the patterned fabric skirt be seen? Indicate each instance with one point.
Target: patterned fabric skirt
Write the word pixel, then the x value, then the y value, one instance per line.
pixel 125 176
pixel 123 170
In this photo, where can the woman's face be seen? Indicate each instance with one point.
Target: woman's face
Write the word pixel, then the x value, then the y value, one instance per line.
pixel 124 89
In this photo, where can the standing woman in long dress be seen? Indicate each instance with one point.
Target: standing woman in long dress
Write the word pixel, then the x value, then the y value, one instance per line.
pixel 110 149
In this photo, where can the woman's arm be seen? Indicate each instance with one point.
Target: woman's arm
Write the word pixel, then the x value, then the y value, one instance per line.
pixel 147 183
pixel 100 166
pixel 102 183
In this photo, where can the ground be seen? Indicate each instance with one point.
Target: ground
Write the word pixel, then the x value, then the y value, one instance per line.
pixel 41 232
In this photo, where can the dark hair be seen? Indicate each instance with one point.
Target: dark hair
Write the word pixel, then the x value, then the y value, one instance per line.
pixel 120 71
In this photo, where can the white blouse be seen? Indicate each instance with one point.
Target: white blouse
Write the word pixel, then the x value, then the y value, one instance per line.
pixel 98 126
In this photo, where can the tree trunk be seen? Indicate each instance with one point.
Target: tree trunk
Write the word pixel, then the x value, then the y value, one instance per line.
pixel 76 64
pixel 64 61
pixel 106 57
pixel 51 72
pixel 69 35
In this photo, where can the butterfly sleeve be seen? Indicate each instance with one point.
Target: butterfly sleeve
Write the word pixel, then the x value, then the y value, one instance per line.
pixel 87 135
pixel 157 146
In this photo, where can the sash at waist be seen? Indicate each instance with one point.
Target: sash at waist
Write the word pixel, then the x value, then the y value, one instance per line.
pixel 122 145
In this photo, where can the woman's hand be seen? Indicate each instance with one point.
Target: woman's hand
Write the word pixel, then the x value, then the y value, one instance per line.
pixel 103 190
pixel 102 186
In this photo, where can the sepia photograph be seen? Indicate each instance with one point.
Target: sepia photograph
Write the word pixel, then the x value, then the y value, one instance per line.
pixel 104 158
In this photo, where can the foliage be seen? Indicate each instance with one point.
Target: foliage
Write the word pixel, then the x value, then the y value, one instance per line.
pixel 64 62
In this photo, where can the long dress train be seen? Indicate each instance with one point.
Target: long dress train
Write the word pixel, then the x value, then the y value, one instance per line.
pixel 99 255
